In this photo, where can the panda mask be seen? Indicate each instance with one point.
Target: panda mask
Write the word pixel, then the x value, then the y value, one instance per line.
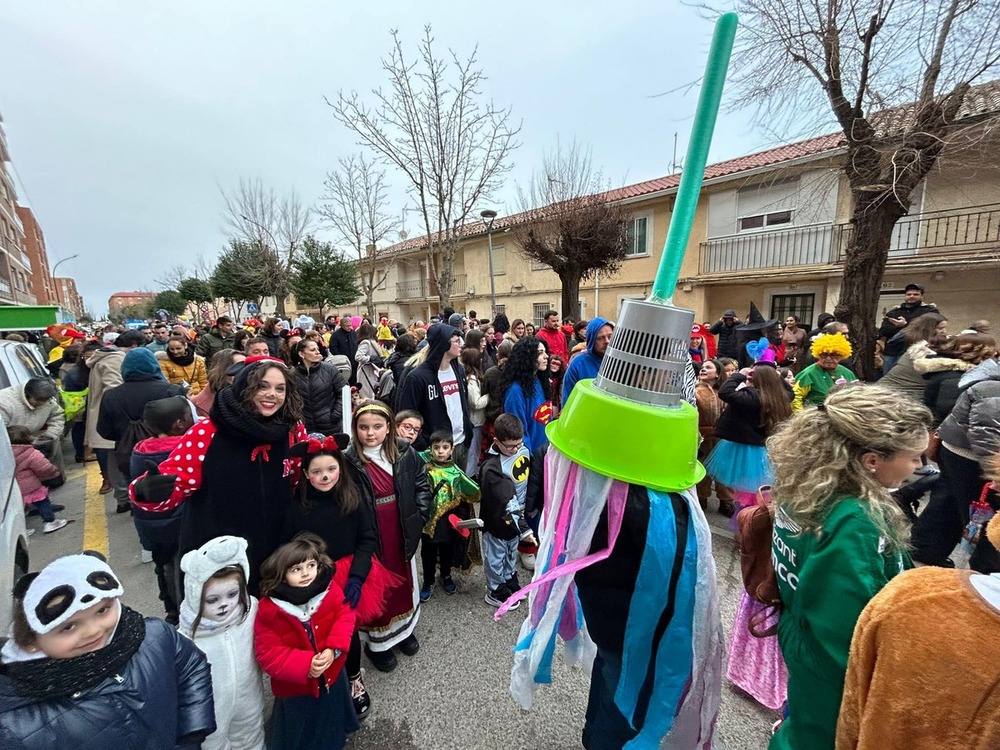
pixel 65 587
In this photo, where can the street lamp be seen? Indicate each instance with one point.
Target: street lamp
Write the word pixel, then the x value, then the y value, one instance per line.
pixel 52 275
pixel 489 216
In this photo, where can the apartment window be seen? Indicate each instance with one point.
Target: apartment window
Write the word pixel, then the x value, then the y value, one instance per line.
pixel 764 221
pixel 499 310
pixel 538 310
pixel 801 305
pixel 499 260
pixel 639 234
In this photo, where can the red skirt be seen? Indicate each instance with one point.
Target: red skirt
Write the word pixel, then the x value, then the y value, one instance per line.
pixel 375 591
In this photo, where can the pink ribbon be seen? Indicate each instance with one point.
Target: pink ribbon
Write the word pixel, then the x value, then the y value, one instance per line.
pixel 616 510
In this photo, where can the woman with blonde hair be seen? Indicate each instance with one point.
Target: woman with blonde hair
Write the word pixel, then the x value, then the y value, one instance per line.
pixel 838 538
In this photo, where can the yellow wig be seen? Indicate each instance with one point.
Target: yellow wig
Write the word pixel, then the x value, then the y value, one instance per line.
pixel 831 343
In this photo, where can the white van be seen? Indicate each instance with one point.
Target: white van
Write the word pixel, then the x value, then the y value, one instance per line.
pixel 13 535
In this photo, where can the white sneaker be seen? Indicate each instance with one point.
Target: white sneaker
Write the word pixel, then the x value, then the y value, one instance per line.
pixel 527 561
pixel 55 525
pixel 146 556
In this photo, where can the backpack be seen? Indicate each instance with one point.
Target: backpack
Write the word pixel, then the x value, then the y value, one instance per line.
pixel 135 432
pixel 385 386
pixel 754 529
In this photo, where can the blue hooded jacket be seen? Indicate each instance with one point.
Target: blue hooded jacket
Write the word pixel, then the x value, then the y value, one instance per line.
pixel 587 364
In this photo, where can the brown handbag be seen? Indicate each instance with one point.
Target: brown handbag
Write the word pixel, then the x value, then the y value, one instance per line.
pixel 754 528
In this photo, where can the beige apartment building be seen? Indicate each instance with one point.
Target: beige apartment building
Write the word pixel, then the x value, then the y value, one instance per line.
pixel 770 227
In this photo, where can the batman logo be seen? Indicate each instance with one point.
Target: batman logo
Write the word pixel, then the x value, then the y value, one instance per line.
pixel 519 471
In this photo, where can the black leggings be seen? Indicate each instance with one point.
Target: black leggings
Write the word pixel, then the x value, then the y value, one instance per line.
pixel 353 664
pixel 939 528
pixel 430 553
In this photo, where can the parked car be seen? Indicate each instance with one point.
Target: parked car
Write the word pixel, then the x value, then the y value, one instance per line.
pixel 13 534
pixel 19 362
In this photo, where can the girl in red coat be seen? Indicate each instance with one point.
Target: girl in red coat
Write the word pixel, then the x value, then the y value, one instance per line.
pixel 301 637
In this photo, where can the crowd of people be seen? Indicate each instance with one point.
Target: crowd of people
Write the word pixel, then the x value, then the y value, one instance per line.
pixel 284 477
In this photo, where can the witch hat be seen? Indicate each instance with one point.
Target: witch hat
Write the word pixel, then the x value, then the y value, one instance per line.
pixel 757 322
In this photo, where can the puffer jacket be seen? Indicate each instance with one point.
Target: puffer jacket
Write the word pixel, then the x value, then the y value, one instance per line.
pixel 941 378
pixel 237 686
pixel 320 387
pixel 48 419
pixel 214 342
pixel 974 424
pixel 413 492
pixel 161 700
pixel 30 468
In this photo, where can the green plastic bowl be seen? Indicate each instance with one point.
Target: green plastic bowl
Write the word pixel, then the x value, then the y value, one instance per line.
pixel 646 445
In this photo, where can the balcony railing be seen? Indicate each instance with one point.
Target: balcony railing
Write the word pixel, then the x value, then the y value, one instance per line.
pixel 424 288
pixel 814 244
pixel 940 233
pixel 931 234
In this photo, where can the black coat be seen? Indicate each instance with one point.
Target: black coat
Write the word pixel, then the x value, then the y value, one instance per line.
pixel 165 694
pixel 421 389
pixel 740 421
pixel 346 343
pixel 320 388
pixel 941 392
pixel 413 492
pixel 273 342
pixel 606 587
pixel 353 534
pixel 125 403
pixel 887 330
pixel 729 345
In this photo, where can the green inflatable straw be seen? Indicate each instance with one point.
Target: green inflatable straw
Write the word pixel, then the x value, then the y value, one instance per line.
pixel 694 163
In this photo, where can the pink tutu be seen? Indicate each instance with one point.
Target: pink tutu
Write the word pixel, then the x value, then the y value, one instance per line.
pixel 755 664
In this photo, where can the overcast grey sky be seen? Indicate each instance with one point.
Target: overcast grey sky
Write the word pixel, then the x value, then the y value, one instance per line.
pixel 125 118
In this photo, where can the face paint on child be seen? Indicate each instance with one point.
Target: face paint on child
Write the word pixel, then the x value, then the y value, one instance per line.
pixel 323 473
pixel 222 596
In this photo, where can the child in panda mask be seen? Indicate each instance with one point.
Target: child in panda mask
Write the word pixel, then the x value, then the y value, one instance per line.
pixel 81 670
pixel 218 615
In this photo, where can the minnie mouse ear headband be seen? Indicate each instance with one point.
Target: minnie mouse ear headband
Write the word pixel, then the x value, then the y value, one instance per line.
pixel 64 587
pixel 761 352
pixel 249 365
pixel 317 442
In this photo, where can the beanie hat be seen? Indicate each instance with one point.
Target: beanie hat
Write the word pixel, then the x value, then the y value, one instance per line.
pixel 456 320
pixel 201 564
pixel 64 587
pixel 141 364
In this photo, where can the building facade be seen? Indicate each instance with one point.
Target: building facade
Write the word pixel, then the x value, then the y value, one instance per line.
pixel 770 228
pixel 16 287
pixel 38 259
pixel 67 296
pixel 118 300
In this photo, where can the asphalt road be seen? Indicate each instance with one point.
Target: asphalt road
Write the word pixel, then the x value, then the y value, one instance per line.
pixel 454 692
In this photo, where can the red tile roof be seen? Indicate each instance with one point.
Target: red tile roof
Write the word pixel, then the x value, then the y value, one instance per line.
pixel 979 101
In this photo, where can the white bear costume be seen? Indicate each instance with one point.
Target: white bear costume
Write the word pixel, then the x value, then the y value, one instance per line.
pixel 228 644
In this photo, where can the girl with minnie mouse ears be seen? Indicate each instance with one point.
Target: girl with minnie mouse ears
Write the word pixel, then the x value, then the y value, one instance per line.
pixel 329 505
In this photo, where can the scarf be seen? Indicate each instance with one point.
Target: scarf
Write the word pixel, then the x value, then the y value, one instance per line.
pixel 230 416
pixel 207 628
pixel 300 595
pixel 55 679
pixel 184 361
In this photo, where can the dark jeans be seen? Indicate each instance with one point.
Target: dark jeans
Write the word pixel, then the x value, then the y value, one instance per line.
pixel 165 566
pixel 939 528
pixel 605 727
pixel 78 433
pixel 102 460
pixel 44 508
pixel 431 552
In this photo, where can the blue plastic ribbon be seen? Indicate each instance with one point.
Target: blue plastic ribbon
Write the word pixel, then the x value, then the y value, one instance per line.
pixel 675 654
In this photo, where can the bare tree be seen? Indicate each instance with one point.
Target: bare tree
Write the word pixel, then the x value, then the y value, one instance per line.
pixel 256 215
pixel 897 76
pixel 570 225
pixel 433 125
pixel 172 278
pixel 356 206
